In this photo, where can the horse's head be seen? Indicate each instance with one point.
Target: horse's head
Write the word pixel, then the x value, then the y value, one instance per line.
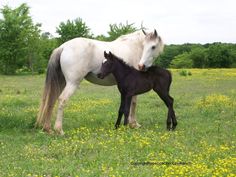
pixel 152 47
pixel 107 65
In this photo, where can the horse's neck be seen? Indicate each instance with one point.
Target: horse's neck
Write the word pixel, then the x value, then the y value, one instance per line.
pixel 129 48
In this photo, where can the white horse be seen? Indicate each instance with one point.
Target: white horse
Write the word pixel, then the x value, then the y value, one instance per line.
pixel 82 58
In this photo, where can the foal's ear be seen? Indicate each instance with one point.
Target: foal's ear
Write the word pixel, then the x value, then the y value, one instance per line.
pixel 105 54
pixel 110 55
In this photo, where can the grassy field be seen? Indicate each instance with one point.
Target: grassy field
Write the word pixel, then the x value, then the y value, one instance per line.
pixel 204 143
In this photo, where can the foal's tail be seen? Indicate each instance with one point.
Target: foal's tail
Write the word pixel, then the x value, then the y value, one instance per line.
pixel 54 84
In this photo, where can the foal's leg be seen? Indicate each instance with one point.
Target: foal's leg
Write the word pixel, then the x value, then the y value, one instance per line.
pixel 127 109
pixel 172 113
pixel 121 111
pixel 63 98
pixel 169 103
pixel 132 118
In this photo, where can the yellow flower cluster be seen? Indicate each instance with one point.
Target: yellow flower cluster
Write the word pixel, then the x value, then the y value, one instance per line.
pixel 225 166
pixel 86 104
pixel 214 100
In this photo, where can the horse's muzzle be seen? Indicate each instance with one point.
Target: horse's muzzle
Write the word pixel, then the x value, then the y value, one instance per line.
pixel 141 67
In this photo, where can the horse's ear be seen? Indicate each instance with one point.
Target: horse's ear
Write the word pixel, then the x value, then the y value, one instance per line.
pixel 144 32
pixel 155 32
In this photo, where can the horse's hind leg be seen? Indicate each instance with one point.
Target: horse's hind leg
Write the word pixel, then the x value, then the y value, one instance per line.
pixel 63 98
pixel 132 118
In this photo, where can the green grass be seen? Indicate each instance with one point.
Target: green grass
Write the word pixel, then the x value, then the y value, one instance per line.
pixel 205 137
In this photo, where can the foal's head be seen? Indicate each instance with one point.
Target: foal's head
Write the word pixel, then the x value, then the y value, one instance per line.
pixel 107 65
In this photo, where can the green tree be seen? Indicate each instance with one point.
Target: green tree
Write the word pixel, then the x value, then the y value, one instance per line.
pixel 219 56
pixel 182 61
pixel 73 29
pixel 199 58
pixel 19 38
pixel 46 46
pixel 116 31
pixel 101 37
pixel 233 54
pixel 170 51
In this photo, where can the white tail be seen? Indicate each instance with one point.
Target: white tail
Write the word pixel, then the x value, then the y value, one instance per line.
pixel 54 84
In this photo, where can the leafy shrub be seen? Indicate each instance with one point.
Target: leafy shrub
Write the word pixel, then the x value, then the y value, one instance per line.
pixel 185 73
pixel 23 70
pixel 41 70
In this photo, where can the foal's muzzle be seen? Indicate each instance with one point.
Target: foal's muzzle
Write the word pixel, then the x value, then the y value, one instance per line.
pixel 100 76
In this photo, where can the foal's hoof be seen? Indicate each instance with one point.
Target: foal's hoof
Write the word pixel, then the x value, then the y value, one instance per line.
pixel 117 126
pixel 169 127
pixel 134 125
pixel 173 128
pixel 174 125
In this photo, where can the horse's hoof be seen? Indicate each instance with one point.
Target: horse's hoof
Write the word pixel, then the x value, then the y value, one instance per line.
pixel 59 132
pixel 134 125
pixel 48 131
pixel 58 129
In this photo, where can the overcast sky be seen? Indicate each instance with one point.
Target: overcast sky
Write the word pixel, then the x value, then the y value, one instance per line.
pixel 177 21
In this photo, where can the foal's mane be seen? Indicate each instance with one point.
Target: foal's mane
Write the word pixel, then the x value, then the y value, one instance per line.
pixel 131 67
pixel 123 62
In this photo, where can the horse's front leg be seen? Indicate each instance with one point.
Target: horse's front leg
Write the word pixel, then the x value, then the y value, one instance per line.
pixel 132 118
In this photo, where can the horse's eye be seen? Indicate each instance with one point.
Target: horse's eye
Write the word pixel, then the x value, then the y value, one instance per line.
pixel 153 47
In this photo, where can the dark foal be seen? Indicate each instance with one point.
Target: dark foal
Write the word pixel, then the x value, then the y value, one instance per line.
pixel 132 82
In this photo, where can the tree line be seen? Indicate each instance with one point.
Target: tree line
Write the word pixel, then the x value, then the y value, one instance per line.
pixel 215 55
pixel 25 48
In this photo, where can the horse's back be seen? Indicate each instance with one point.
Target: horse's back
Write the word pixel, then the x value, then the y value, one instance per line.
pixel 82 44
